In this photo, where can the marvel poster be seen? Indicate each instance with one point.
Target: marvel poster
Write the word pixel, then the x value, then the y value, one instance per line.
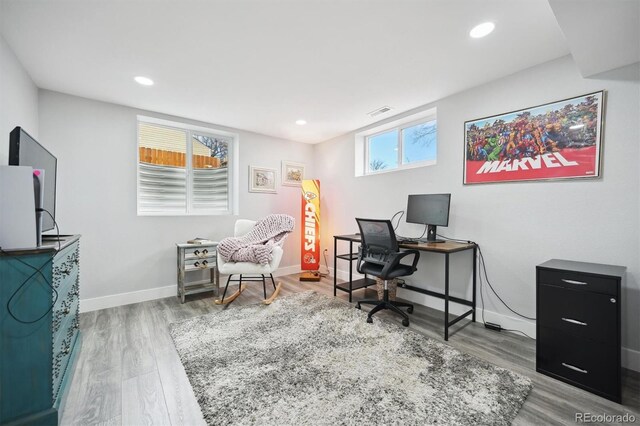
pixel 559 140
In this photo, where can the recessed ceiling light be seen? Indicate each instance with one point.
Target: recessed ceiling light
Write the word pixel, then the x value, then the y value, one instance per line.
pixel 301 122
pixel 482 30
pixel 145 81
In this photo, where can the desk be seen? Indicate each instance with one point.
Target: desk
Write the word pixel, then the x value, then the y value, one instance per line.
pixel 445 248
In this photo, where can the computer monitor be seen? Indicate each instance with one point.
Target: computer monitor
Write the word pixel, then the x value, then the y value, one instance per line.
pixel 431 210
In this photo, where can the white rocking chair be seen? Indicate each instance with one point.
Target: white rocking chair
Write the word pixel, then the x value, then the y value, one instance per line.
pixel 256 271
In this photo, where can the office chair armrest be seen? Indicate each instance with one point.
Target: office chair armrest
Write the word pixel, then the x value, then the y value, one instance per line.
pixel 397 257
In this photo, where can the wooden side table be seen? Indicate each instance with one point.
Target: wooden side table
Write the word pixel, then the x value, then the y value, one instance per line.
pixel 197 257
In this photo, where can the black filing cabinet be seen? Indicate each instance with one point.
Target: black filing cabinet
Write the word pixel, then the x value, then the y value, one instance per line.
pixel 578 324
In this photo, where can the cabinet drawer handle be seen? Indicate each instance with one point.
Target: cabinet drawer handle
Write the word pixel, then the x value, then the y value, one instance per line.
pixel 205 251
pixel 572 321
pixel 196 252
pixel 574 282
pixel 574 368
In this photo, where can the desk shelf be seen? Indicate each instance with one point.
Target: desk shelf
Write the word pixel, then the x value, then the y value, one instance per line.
pixel 352 255
pixel 356 285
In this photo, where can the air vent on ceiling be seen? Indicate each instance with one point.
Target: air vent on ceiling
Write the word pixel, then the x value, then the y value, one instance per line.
pixel 379 111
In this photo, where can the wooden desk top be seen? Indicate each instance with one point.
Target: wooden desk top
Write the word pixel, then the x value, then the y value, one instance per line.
pixel 446 247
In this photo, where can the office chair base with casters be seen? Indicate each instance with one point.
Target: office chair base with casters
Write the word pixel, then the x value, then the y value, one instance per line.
pixel 379 255
pixel 385 303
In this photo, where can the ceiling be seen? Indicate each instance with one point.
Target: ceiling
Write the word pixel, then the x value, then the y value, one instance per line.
pixel 260 65
pixel 602 34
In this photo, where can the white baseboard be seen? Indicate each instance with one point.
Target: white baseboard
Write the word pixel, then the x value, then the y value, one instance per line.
pixel 120 299
pixel 630 357
pixel 287 270
pixel 113 300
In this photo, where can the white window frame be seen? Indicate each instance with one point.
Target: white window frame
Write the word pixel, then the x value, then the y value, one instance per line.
pixel 232 168
pixel 399 125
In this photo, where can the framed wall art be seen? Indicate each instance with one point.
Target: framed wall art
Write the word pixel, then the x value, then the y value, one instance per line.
pixel 558 140
pixel 292 173
pixel 262 179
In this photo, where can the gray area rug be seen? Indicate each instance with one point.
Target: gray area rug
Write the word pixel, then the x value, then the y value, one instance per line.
pixel 308 359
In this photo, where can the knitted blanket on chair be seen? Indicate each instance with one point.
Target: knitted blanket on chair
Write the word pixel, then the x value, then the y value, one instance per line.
pixel 257 245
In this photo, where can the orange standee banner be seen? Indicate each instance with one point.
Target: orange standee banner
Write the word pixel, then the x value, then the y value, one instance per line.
pixel 310 242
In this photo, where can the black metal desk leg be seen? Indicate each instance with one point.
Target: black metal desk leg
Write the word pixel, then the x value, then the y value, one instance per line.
pixel 335 266
pixel 475 260
pixel 350 270
pixel 446 296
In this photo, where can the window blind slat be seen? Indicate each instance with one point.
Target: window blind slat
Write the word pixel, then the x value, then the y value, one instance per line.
pixel 210 189
pixel 161 188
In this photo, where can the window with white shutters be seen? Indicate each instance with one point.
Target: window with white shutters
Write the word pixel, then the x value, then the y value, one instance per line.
pixel 184 169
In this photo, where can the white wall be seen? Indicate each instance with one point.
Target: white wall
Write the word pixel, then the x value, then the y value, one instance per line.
pixel 18 99
pixel 96 146
pixel 518 225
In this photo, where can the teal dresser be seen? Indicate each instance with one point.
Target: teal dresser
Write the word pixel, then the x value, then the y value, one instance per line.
pixel 38 344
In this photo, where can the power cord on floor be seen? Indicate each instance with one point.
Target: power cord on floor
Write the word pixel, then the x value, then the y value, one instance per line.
pixel 483 265
pixel 326 265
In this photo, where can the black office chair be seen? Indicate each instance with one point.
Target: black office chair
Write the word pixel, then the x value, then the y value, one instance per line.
pixel 379 255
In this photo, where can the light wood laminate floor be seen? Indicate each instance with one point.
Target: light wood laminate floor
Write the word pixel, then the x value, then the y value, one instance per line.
pixel 129 373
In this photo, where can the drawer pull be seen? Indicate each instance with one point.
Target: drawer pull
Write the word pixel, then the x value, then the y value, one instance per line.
pixel 574 282
pixel 196 252
pixel 572 321
pixel 205 251
pixel 574 368
pixel 203 266
pixel 612 300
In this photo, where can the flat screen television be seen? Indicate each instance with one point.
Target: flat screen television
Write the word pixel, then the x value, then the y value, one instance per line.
pixel 26 151
pixel 431 210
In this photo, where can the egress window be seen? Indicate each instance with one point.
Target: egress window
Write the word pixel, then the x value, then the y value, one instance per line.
pixel 404 146
pixel 184 170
